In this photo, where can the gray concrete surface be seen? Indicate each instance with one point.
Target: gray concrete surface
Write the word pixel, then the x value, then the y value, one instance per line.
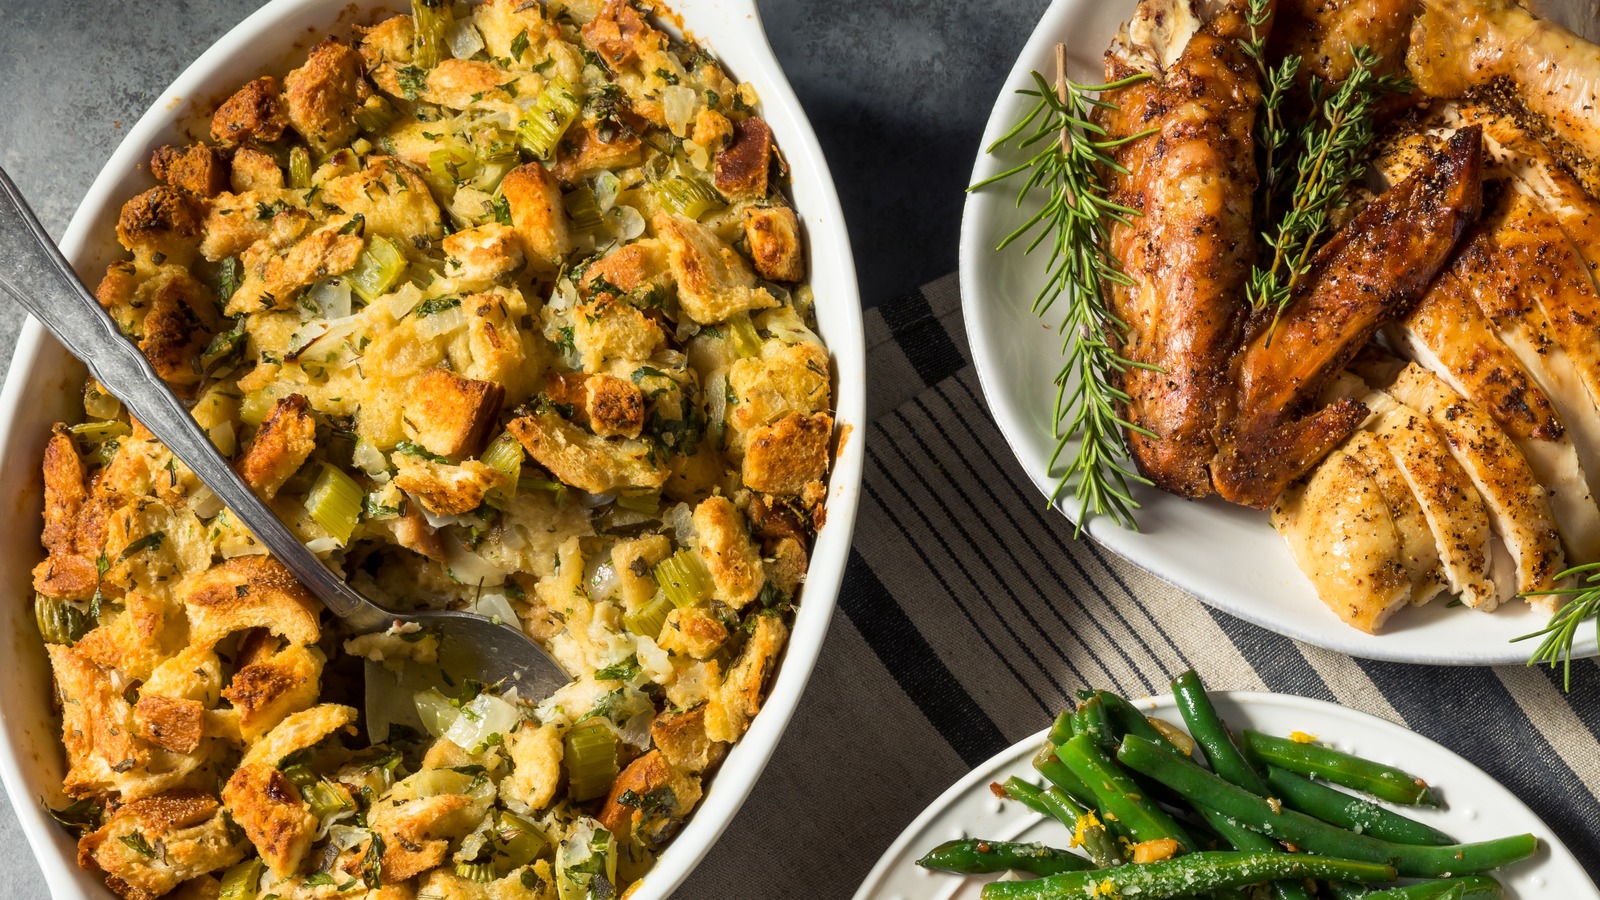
pixel 898 90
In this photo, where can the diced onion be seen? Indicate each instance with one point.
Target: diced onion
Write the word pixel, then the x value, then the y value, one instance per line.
pixel 624 223
pixel 677 107
pixel 436 711
pixel 606 188
pixel 369 458
pixel 226 440
pixel 332 296
pixel 400 303
pixel 681 518
pixel 785 324
pixel 322 546
pixel 483 717
pixel 442 323
pixel 464 39
pixel 203 501
pixel 496 607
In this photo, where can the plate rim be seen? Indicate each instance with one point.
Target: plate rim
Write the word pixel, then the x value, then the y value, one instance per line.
pixel 975 244
pixel 975 777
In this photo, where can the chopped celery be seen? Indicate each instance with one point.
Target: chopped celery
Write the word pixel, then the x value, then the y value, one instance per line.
pixel 453 163
pixel 591 760
pixel 516 841
pixel 299 168
pixel 683 578
pixel 645 504
pixel 335 502
pixel 257 405
pixel 100 432
pixel 742 336
pixel 380 266
pixel 59 621
pixel 431 21
pixel 543 125
pixel 688 196
pixel 495 159
pixel 650 617
pixel 545 484
pixel 584 209
pixel 376 115
pixel 242 881
pixel 586 863
pixel 322 797
pixel 480 872
pixel 505 454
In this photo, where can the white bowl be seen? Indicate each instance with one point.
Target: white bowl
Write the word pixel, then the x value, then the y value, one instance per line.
pixel 43 384
pixel 1227 555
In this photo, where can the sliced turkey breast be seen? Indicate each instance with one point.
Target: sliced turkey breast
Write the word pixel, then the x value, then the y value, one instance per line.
pixel 1518 506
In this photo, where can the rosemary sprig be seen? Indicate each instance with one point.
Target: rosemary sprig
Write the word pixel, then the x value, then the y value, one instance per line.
pixel 1272 134
pixel 1069 153
pixel 1332 153
pixel 1562 628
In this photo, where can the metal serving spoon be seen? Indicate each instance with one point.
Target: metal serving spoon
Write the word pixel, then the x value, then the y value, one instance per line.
pixel 34 273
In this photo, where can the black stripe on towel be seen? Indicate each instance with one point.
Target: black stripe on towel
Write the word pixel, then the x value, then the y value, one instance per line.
pixel 921 337
pixel 921 673
pixel 1470 711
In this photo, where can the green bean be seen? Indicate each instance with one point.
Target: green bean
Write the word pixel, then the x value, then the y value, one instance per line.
pixel 1056 772
pixel 1206 790
pixel 1226 759
pixel 1361 816
pixel 1476 887
pixel 977 857
pixel 1057 805
pixel 1091 718
pixel 1116 795
pixel 1127 718
pixel 1061 729
pixel 1186 875
pixel 1381 781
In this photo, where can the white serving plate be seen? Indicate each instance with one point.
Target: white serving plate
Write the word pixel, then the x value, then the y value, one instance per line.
pixel 43 387
pixel 1228 555
pixel 1477 807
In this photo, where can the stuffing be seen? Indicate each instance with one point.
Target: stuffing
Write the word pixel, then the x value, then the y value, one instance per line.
pixel 298 731
pixel 738 698
pixel 497 349
pixel 534 197
pixel 281 446
pixel 322 96
pixel 97 725
pixel 392 199
pixel 150 846
pixel 614 406
pixel 248 592
pixel 649 799
pixel 619 34
pixel 785 456
pixel 254 170
pixel 197 168
pixel 627 269
pixel 470 84
pixel 272 814
pixel 714 282
pixel 681 738
pixel 609 328
pixel 64 490
pixel 773 235
pixel 742 165
pixel 136 639
pixel 274 278
pixel 478 257
pixel 586 461
pixel 161 225
pixel 727 551
pixel 449 415
pixel 512 31
pixel 533 882
pixel 267 690
pixel 583 155
pixel 445 489
pixel 237 221
pixel 692 631
pixel 786 378
pixel 173 723
pixel 176 310
pixel 633 560
pixel 253 113
pixel 536 752
pixel 711 129
pixel 786 565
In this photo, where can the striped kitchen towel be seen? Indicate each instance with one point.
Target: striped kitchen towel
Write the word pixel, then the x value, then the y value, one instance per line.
pixel 969 616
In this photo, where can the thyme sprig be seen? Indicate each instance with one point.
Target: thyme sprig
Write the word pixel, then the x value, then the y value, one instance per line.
pixel 1272 133
pixel 1070 153
pixel 1331 149
pixel 1562 629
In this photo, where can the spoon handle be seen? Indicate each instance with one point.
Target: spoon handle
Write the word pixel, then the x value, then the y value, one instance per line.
pixel 36 275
